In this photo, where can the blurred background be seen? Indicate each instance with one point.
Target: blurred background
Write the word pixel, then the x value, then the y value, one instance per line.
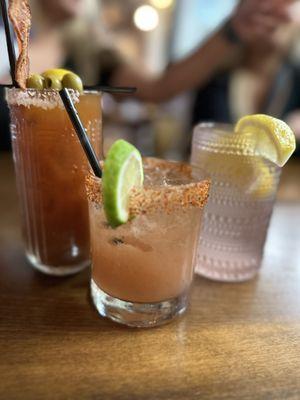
pixel 94 37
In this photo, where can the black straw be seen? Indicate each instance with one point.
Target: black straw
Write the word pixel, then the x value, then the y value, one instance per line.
pixel 81 132
pixel 9 42
pixel 112 89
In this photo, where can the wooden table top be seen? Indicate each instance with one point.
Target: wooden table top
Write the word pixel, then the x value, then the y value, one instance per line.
pixel 237 341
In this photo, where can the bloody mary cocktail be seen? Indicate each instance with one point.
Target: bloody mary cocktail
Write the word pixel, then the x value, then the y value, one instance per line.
pixel 50 168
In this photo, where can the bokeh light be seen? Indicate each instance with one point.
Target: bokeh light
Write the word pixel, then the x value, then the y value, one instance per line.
pixel 162 3
pixel 146 18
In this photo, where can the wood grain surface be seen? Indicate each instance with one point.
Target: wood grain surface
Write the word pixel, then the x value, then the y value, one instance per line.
pixel 237 341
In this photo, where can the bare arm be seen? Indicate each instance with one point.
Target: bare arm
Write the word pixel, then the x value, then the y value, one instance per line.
pixel 253 20
pixel 195 70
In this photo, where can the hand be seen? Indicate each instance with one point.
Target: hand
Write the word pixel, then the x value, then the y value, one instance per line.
pixel 258 19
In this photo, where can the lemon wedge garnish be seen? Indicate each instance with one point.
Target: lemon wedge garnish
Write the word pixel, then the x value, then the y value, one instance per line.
pixel 265 182
pixel 272 138
pixel 228 168
pixel 246 157
pixel 249 175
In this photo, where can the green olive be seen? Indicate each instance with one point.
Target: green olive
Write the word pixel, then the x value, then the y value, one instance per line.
pixel 35 81
pixel 72 81
pixel 53 82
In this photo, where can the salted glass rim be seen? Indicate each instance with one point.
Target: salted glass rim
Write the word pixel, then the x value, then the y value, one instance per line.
pixel 46 98
pixel 163 197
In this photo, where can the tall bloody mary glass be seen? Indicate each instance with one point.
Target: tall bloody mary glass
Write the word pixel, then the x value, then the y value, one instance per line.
pixel 50 168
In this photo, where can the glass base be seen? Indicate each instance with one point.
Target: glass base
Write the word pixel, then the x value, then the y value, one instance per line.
pixel 139 315
pixel 56 271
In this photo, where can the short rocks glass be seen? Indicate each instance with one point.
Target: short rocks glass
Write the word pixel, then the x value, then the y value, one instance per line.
pixel 142 271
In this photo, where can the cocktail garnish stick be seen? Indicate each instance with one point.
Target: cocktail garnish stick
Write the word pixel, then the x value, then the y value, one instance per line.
pixel 112 89
pixel 9 42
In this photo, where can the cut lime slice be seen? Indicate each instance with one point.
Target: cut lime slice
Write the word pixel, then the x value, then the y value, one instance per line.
pixel 272 138
pixel 123 170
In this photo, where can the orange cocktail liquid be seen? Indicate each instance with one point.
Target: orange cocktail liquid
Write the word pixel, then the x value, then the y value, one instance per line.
pixel 142 271
pixel 50 168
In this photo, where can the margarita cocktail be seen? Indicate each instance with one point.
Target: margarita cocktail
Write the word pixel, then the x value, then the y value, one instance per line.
pixel 142 270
